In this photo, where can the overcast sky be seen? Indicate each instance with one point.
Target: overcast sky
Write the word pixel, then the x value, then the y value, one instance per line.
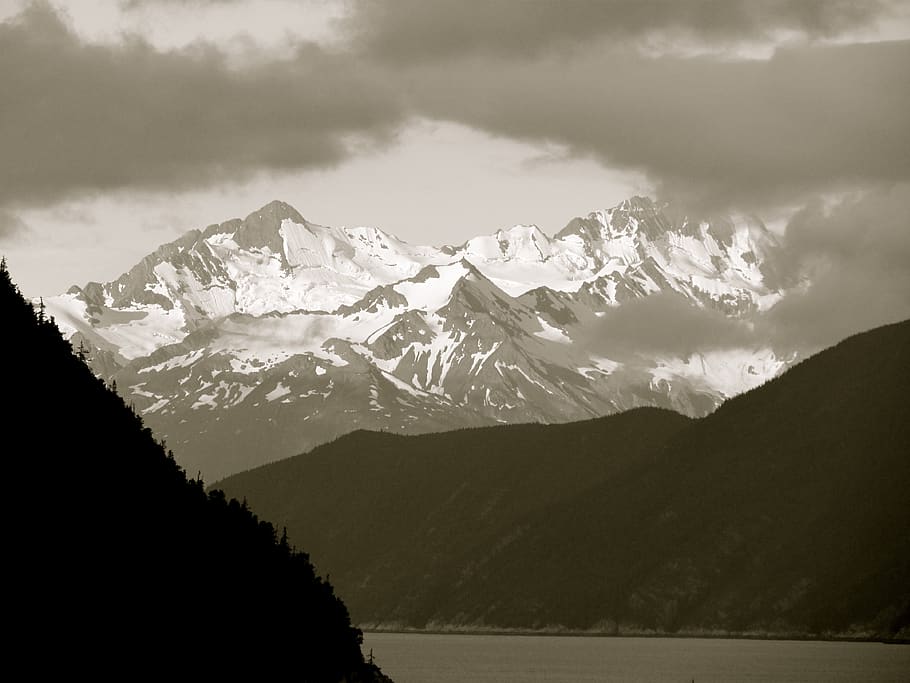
pixel 124 123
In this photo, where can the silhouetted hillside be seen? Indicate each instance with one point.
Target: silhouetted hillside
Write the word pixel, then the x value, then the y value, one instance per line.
pixel 117 565
pixel 784 512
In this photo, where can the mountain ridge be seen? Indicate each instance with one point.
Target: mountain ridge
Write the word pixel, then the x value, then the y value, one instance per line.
pixel 782 513
pixel 206 321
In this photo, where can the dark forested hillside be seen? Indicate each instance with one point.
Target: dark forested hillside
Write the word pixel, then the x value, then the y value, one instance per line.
pixel 784 512
pixel 117 564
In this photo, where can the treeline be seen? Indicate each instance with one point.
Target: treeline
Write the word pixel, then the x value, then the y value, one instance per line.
pixel 117 563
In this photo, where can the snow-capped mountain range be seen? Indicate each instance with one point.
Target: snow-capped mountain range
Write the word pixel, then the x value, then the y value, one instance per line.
pixel 257 339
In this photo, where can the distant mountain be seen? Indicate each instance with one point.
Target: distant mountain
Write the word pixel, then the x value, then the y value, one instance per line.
pixel 119 567
pixel 253 340
pixel 784 512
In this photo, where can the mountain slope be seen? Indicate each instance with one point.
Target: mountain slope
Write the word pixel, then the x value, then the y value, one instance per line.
pixel 783 512
pixel 115 560
pixel 273 325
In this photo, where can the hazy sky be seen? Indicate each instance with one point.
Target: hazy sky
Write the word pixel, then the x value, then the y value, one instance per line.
pixel 124 123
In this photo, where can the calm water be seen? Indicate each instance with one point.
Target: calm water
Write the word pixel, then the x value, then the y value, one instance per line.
pixel 418 658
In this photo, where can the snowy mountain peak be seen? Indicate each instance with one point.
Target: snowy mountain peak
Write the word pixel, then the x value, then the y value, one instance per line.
pixel 261 228
pixel 522 233
pixel 628 218
pixel 273 214
pixel 331 328
pixel 520 242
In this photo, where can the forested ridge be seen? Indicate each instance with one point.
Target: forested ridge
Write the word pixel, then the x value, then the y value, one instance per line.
pixel 783 513
pixel 117 563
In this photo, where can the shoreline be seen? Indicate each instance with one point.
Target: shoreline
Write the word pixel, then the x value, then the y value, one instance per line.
pixel 568 633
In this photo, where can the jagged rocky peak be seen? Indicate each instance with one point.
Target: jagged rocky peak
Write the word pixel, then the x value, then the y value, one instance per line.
pixel 637 214
pixel 474 292
pixel 228 227
pixel 471 272
pixel 693 222
pixel 633 215
pixel 261 228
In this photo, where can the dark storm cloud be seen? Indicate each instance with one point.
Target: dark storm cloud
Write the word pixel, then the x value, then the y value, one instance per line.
pixel 722 131
pixel 409 30
pixel 853 259
pixel 79 117
pixel 707 131
pixel 76 116
pixel 665 323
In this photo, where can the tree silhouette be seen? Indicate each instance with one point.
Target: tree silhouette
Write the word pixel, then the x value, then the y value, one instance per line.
pixel 82 352
pixel 117 564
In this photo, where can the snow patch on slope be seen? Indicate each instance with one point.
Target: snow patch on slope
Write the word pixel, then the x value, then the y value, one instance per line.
pixel 278 392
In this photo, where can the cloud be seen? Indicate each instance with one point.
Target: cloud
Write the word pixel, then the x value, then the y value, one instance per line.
pixel 418 30
pixel 719 132
pixel 666 323
pixel 136 4
pixel 853 260
pixel 80 117
pixel 11 226
pixel 845 266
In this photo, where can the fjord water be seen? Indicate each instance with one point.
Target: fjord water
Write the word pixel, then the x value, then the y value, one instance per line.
pixel 438 658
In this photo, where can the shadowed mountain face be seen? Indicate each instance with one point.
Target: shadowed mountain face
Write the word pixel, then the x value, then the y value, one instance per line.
pixel 118 565
pixel 783 512
pixel 253 340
